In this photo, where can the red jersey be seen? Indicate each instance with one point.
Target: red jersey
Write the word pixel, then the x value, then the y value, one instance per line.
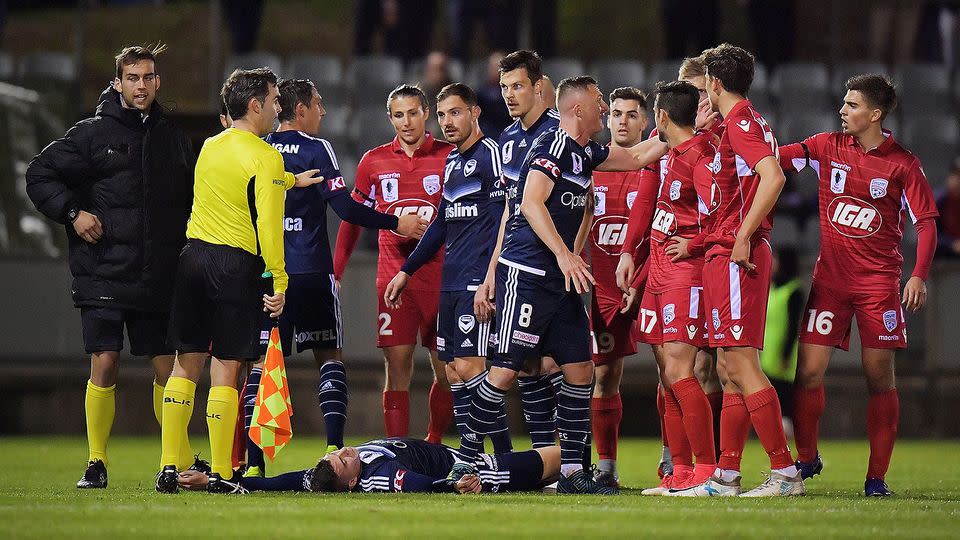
pixel 864 197
pixel 641 212
pixel 614 194
pixel 392 182
pixel 687 178
pixel 745 139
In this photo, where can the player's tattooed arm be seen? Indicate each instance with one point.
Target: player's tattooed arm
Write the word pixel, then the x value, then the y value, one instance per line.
pixel 634 158
pixel 584 232
pixel 575 270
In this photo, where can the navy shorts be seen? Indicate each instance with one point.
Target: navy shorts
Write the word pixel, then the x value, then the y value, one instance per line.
pixel 103 331
pixel 511 471
pixel 537 318
pixel 459 333
pixel 311 315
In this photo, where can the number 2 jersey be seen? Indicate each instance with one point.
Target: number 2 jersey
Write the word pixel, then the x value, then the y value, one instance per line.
pixel 864 198
pixel 392 182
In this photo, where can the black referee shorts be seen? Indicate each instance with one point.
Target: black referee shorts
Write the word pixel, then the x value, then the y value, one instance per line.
pixel 103 330
pixel 218 301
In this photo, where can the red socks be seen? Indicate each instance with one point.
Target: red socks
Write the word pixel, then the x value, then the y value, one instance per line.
pixel 660 408
pixel 607 414
pixel 764 407
pixel 697 419
pixel 808 406
pixel 883 416
pixel 441 412
pixel 734 428
pixel 396 412
pixel 676 434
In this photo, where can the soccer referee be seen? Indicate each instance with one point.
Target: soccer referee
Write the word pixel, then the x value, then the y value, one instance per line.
pixel 235 233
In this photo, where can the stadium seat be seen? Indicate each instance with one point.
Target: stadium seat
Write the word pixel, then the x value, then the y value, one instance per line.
pixel 374 69
pixel 795 128
pixel 253 60
pixel 664 70
pixel 559 68
pixel 844 70
pixel 924 89
pixel 323 69
pixel 800 85
pixel 612 74
pixel 761 79
pixel 370 128
pixel 7 67
pixel 415 70
pixel 49 66
pixel 934 139
pixel 476 73
pixel 336 122
pixel 372 78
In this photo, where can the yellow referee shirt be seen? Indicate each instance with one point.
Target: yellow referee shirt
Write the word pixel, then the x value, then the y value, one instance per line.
pixel 238 198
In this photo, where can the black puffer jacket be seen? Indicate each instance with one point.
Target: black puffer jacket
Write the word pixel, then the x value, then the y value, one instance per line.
pixel 137 177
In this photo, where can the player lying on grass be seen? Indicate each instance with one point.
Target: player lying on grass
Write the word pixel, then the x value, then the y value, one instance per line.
pixel 407 465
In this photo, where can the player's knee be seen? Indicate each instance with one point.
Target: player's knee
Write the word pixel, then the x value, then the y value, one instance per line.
pixel 608 383
pixel 878 383
pixel 808 376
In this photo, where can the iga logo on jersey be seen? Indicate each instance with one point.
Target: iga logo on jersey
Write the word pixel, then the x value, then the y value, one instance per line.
pixel 420 207
pixel 890 320
pixel 431 184
pixel 664 219
pixel 609 233
pixel 854 218
pixel 878 187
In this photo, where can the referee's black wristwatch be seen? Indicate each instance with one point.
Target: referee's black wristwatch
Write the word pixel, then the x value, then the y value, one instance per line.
pixel 73 213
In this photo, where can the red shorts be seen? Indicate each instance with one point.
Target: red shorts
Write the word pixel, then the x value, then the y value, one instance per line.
pixel 674 315
pixel 611 330
pixel 736 299
pixel 417 314
pixel 829 312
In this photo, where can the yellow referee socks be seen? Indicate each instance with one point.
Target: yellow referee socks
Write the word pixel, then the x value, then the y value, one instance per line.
pixel 100 406
pixel 186 452
pixel 222 406
pixel 176 411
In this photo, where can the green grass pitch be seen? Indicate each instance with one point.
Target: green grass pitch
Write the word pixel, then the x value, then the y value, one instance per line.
pixel 38 500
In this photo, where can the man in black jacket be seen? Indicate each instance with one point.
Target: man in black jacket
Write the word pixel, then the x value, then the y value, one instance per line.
pixel 121 183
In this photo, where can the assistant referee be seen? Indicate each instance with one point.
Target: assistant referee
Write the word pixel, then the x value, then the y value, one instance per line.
pixel 235 233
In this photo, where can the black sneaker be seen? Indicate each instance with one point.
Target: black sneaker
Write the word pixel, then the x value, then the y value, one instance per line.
pixel 606 478
pixel 95 477
pixel 581 483
pixel 220 485
pixel 167 480
pixel 200 465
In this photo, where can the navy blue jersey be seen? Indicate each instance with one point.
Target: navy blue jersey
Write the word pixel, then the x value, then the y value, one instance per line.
pixel 389 464
pixel 469 216
pixel 306 245
pixel 570 166
pixel 516 142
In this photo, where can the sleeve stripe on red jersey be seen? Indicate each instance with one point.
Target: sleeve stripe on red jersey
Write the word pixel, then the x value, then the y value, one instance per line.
pixel 904 203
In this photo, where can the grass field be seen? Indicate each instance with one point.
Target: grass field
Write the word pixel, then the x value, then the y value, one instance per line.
pixel 38 500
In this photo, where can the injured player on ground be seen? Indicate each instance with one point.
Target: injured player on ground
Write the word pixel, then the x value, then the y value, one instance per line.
pixel 406 465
